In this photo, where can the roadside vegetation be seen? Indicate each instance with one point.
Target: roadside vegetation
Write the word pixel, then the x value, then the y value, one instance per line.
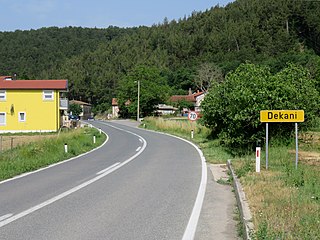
pixel 45 151
pixel 285 202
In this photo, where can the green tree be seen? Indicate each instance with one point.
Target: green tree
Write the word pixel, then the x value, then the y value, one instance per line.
pixel 232 108
pixel 153 90
pixel 75 109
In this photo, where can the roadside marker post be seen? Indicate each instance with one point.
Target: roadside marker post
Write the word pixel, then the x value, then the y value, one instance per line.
pixel 258 154
pixel 66 148
pixel 291 116
pixel 192 133
pixel 94 139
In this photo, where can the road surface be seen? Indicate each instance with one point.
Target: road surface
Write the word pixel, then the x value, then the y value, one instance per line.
pixel 138 185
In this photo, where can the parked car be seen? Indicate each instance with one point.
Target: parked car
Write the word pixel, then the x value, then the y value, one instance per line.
pixel 74 118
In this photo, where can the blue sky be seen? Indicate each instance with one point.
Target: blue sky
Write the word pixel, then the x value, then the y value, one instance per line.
pixel 34 14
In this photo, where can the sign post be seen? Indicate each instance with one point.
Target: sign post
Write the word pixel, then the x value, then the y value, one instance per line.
pixel 281 116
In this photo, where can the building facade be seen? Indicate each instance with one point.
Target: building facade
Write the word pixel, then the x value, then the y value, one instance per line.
pixel 31 105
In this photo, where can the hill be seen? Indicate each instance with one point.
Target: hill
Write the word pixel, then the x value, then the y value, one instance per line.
pixel 267 32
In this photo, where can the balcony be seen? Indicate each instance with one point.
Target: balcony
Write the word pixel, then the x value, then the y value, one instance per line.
pixel 64 104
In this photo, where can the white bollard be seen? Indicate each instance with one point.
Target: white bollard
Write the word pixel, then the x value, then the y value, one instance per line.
pixel 100 131
pixel 66 148
pixel 94 139
pixel 192 134
pixel 258 153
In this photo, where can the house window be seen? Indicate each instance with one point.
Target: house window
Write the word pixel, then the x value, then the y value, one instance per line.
pixel 2 118
pixel 3 95
pixel 47 95
pixel 22 116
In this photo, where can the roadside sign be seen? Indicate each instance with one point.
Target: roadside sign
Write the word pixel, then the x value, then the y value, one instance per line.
pixel 282 116
pixel 272 116
pixel 192 116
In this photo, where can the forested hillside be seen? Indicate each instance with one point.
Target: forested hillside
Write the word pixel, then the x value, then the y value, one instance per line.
pixel 268 32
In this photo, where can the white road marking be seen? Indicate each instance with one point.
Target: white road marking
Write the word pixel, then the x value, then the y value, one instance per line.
pixel 5 216
pixel 108 168
pixel 75 189
pixel 138 149
pixel 140 140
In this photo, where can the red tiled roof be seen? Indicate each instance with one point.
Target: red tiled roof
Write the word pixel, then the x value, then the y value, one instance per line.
pixel 79 102
pixel 198 94
pixel 33 84
pixel 189 98
pixel 177 98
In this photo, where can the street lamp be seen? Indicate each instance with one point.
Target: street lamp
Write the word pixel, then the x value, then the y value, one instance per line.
pixel 138 105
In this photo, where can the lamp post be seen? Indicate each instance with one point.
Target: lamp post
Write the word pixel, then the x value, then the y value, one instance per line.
pixel 138 105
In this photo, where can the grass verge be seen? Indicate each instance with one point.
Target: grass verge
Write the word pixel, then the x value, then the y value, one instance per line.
pixel 284 201
pixel 32 156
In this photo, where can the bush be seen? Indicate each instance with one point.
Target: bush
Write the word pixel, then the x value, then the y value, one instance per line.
pixel 232 108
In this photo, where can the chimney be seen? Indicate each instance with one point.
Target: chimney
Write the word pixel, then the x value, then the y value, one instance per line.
pixel 14 76
pixel 190 92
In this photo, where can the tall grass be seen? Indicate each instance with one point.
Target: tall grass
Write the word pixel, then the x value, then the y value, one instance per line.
pixel 42 153
pixel 285 201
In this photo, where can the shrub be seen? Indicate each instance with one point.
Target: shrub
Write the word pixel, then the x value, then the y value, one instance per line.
pixel 232 108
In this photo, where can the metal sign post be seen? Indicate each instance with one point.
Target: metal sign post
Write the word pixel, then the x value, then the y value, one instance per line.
pixel 267 144
pixel 296 126
pixel 281 116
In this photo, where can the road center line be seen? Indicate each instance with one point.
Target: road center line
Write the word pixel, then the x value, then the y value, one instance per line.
pixel 12 218
pixel 138 149
pixel 5 216
pixel 108 168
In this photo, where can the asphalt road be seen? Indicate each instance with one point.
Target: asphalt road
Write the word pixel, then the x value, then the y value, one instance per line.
pixel 138 185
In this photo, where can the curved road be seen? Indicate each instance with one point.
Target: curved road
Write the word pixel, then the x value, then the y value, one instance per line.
pixel 138 185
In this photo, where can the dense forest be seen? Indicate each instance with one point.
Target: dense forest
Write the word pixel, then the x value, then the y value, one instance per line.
pixel 98 61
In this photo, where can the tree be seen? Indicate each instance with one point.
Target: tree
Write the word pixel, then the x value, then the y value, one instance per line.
pixel 153 90
pixel 75 109
pixel 232 108
pixel 208 74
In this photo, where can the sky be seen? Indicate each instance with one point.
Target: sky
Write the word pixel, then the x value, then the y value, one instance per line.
pixel 35 14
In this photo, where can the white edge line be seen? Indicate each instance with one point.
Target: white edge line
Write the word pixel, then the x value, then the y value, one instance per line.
pixel 66 193
pixel 55 164
pixel 191 228
pixel 108 168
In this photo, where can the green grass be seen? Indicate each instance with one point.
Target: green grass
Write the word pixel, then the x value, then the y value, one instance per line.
pixel 285 201
pixel 42 153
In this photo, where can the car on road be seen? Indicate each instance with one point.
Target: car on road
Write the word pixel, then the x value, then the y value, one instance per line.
pixel 74 118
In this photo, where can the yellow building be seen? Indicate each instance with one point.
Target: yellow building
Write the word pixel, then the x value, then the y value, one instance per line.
pixel 31 105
